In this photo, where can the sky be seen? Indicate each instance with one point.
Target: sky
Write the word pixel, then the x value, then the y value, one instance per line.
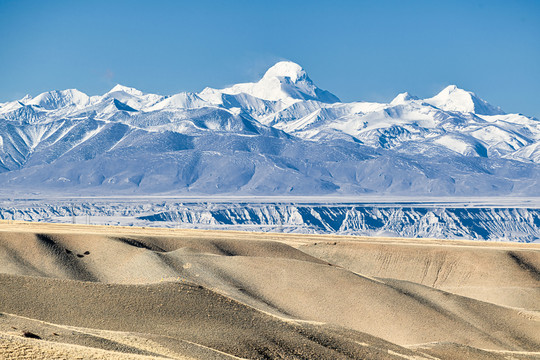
pixel 358 50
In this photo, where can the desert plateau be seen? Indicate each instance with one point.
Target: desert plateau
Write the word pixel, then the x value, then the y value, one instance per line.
pixel 102 292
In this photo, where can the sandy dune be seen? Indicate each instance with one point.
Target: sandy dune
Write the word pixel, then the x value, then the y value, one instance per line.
pixel 112 292
pixel 498 273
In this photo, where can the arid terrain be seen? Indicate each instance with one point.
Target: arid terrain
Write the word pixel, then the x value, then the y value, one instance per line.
pixel 99 292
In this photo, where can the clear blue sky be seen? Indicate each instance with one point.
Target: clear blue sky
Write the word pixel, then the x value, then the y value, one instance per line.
pixel 359 50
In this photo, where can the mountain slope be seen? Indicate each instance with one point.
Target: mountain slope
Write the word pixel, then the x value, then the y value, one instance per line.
pixel 280 135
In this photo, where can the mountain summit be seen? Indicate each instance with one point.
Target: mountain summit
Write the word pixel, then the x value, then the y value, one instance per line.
pixel 58 99
pixel 402 98
pixel 285 69
pixel 285 81
pixel 453 98
pixel 126 89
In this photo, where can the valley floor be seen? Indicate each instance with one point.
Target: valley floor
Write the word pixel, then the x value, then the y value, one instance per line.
pixel 104 292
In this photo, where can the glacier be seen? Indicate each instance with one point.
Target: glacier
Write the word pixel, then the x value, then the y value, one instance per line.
pixel 280 136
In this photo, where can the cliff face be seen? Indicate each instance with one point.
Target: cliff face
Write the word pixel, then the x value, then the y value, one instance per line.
pixel 495 224
pixel 519 224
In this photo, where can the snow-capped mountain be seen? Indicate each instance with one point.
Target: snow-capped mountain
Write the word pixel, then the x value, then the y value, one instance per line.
pixel 453 98
pixel 280 135
pixel 285 81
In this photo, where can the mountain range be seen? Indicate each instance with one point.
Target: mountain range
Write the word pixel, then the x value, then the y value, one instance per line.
pixel 282 135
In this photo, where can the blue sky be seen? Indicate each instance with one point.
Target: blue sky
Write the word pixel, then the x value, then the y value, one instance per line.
pixel 359 50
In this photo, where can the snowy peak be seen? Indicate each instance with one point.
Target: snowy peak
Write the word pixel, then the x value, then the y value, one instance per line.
pixel 286 81
pixel 290 79
pixel 453 98
pixel 132 97
pixel 25 99
pixel 56 99
pixel 402 98
pixel 288 69
pixel 183 100
pixel 126 89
